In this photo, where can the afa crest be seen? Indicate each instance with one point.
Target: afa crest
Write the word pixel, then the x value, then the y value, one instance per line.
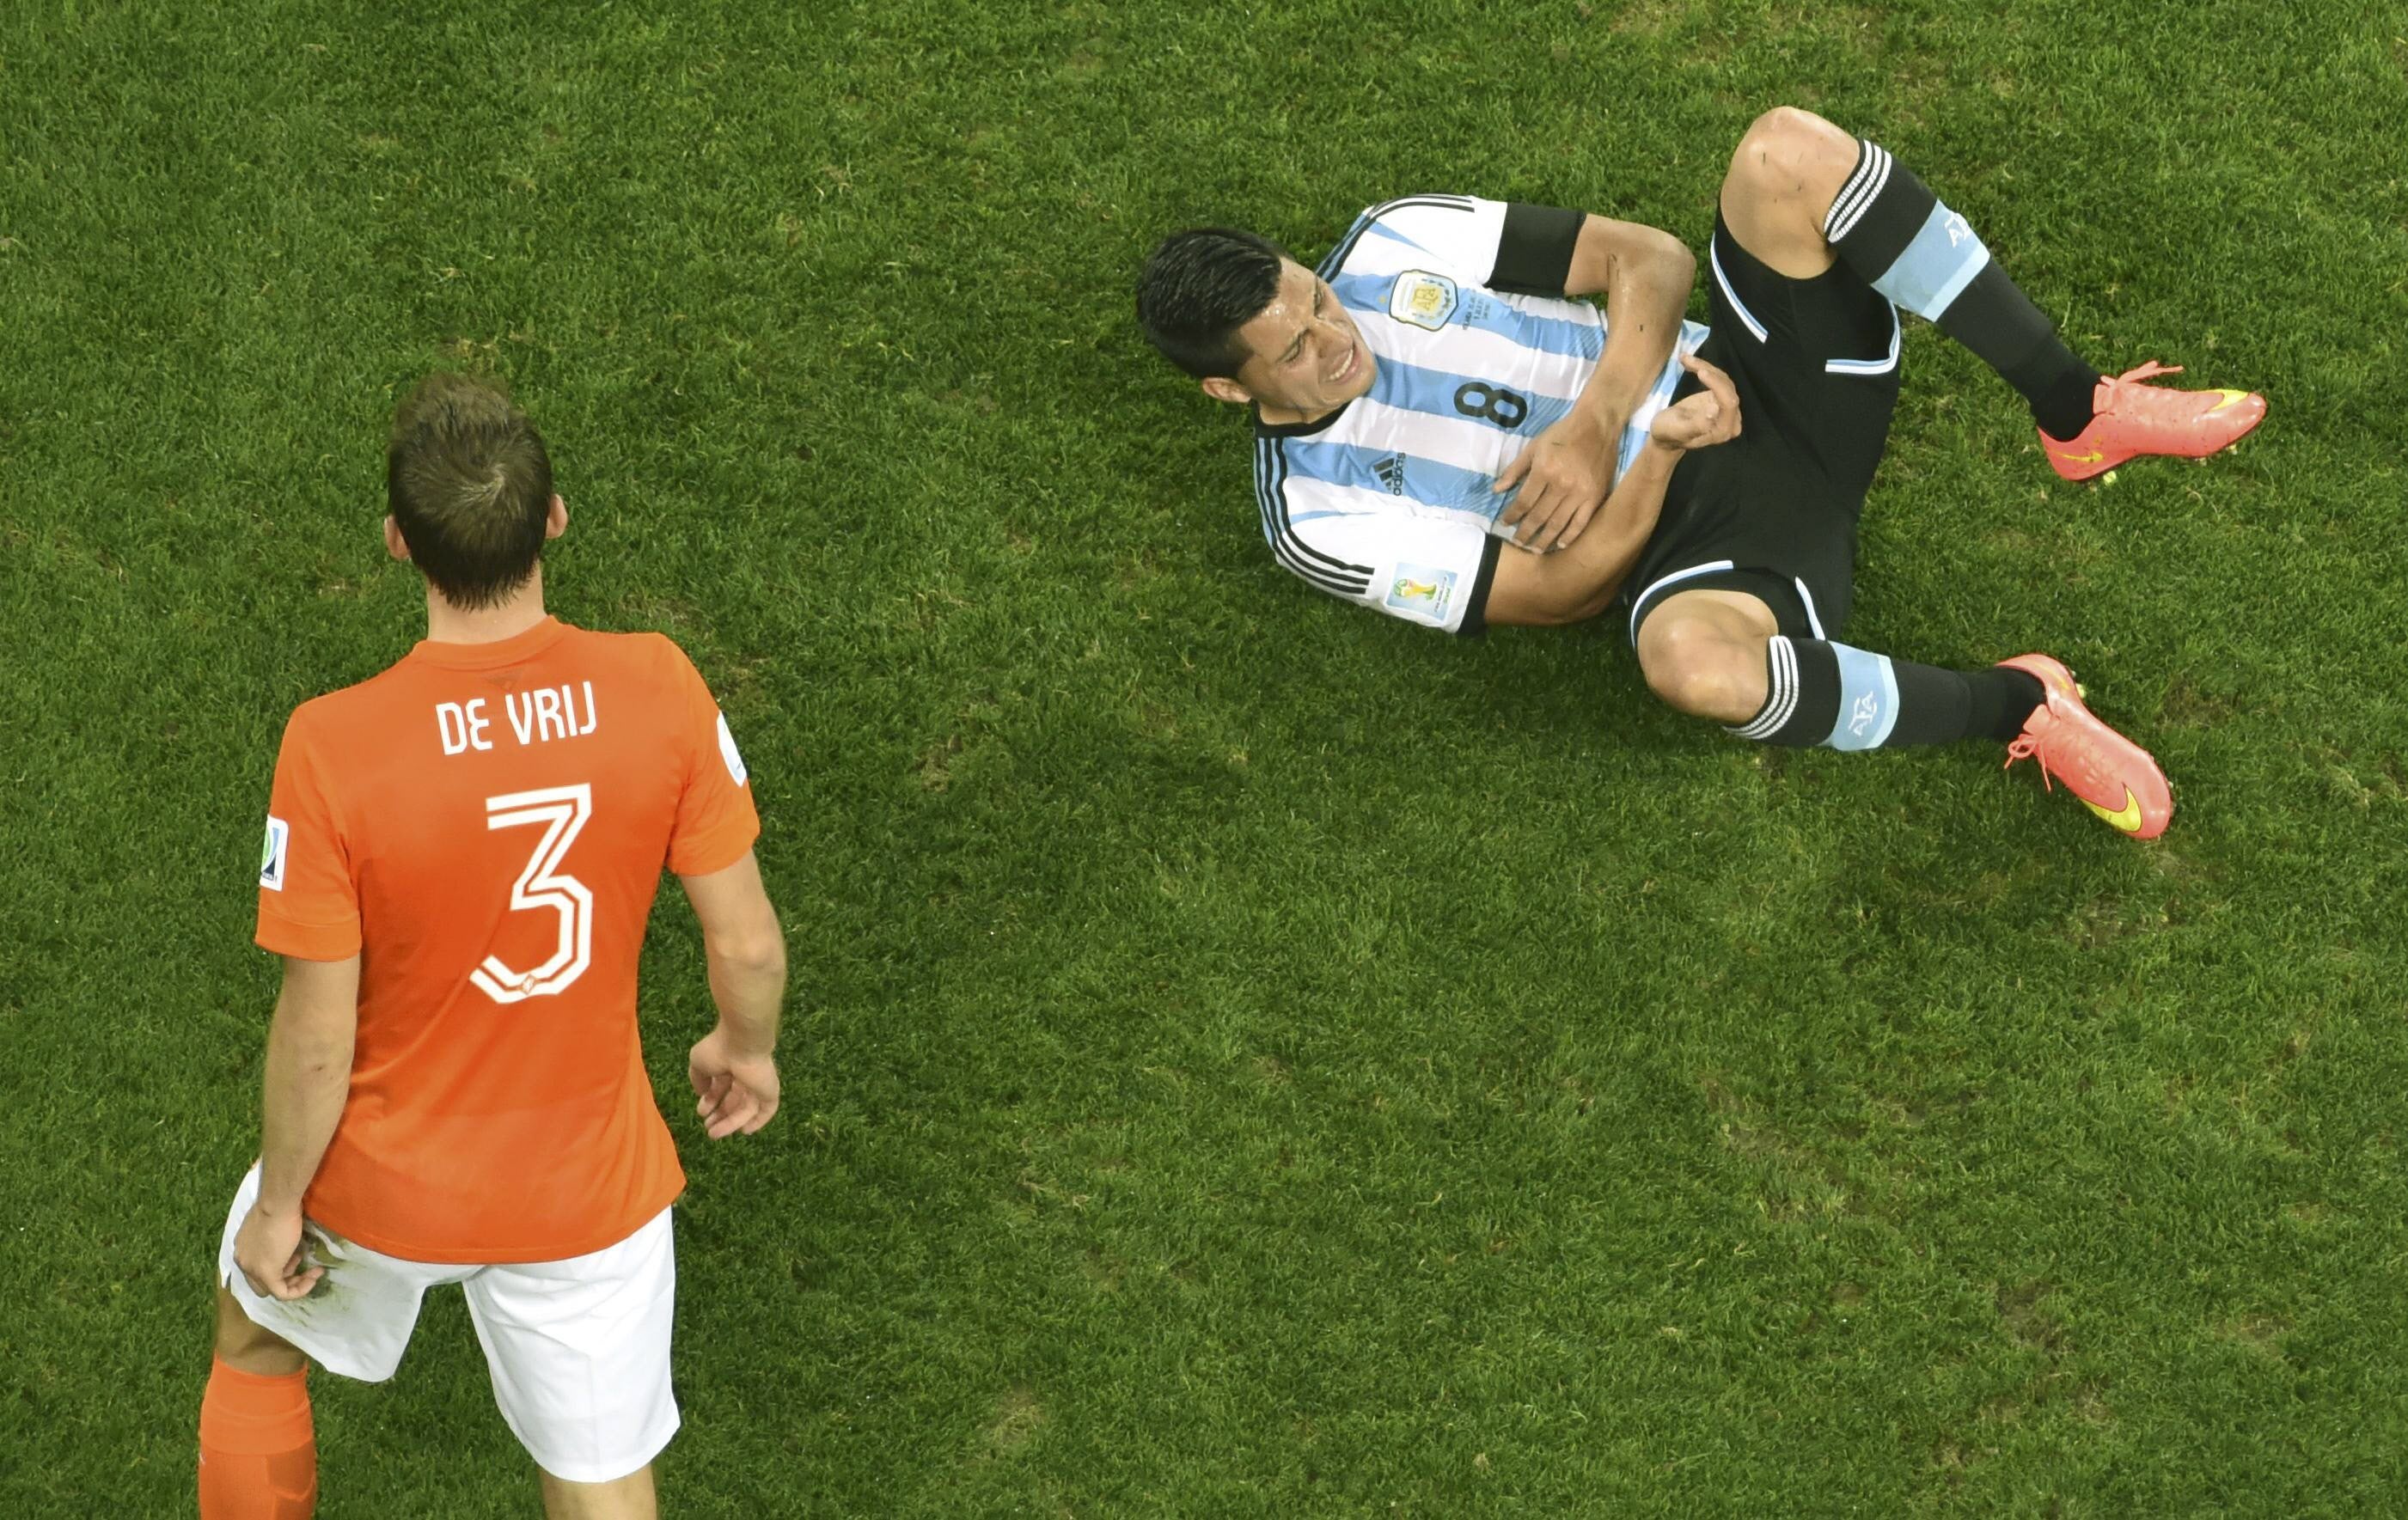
pixel 1424 299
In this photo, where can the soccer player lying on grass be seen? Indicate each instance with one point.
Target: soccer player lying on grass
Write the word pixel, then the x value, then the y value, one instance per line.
pixel 461 855
pixel 1430 395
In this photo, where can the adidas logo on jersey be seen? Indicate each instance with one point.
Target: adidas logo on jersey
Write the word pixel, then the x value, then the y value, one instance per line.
pixel 1391 472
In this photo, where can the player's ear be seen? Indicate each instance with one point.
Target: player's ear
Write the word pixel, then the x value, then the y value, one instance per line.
pixel 394 542
pixel 556 521
pixel 1222 388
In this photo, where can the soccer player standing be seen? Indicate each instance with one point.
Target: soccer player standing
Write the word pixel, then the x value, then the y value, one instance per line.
pixel 1430 410
pixel 461 856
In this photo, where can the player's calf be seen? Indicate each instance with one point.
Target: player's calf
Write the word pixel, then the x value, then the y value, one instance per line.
pixel 1836 695
pixel 1800 191
pixel 259 1444
pixel 243 1343
pixel 1719 655
pixel 630 1497
pixel 1888 228
pixel 1813 692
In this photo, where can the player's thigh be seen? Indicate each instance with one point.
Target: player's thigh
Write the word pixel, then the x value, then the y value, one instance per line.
pixel 1782 179
pixel 1807 356
pixel 359 1318
pixel 580 1354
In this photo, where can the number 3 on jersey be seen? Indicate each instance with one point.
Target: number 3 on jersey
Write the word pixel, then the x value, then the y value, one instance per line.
pixel 563 811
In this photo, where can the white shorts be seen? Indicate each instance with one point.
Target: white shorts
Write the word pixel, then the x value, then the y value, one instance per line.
pixel 578 1349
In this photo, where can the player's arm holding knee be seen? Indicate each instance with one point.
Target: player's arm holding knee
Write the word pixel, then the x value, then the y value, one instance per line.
pixel 735 1076
pixel 1577 583
pixel 1644 275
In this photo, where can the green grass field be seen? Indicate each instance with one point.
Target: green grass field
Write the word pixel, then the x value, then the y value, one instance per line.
pixel 1248 1058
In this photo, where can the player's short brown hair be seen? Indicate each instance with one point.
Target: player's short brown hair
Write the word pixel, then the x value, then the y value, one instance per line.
pixel 469 486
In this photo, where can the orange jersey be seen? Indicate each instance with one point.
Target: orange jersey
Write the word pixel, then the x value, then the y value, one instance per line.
pixel 486 826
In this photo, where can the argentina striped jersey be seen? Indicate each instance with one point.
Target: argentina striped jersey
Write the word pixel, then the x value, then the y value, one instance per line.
pixel 1388 500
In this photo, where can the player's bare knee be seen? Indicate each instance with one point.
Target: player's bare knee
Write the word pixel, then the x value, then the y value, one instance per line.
pixel 1790 155
pixel 1695 666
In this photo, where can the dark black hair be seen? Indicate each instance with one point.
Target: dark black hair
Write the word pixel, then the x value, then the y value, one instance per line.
pixel 1199 288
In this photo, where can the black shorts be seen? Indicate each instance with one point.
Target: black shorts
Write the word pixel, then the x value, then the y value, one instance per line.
pixel 1773 512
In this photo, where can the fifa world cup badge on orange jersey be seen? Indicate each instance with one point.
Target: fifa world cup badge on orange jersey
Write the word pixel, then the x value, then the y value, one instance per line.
pixel 1424 299
pixel 271 854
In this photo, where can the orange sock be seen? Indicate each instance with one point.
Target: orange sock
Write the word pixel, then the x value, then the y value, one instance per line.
pixel 259 1450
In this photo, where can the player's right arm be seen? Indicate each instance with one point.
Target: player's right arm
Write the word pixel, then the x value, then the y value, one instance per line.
pixel 711 852
pixel 1578 583
pixel 734 1074
pixel 1562 478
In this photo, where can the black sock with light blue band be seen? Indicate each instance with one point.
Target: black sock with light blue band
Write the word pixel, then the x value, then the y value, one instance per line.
pixel 1848 698
pixel 1899 237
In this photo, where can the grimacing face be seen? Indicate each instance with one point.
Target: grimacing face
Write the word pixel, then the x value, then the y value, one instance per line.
pixel 1304 357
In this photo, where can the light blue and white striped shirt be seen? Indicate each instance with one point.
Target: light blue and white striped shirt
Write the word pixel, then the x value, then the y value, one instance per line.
pixel 1387 501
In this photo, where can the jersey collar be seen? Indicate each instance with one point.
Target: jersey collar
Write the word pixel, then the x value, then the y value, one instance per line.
pixel 512 650
pixel 1299 430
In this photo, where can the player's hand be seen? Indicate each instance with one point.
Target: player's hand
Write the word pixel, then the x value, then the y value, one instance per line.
pixel 267 1252
pixel 737 1090
pixel 1703 420
pixel 1565 475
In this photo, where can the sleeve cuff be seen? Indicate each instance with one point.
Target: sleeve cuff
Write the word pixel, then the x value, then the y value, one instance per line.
pixel 1534 256
pixel 715 850
pixel 309 941
pixel 1475 606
